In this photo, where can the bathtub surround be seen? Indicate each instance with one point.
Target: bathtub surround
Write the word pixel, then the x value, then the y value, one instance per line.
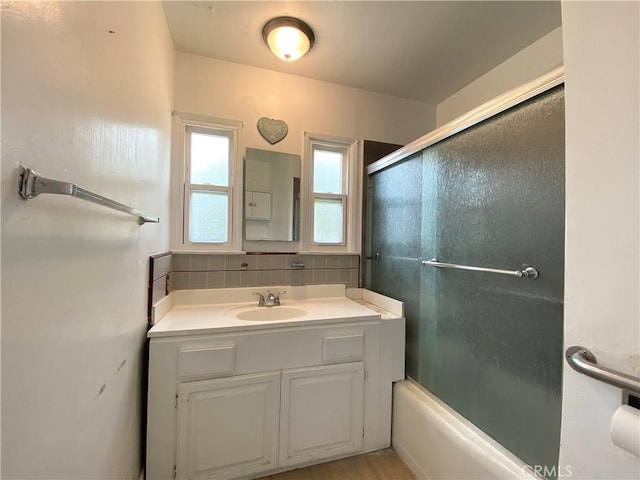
pixel 184 271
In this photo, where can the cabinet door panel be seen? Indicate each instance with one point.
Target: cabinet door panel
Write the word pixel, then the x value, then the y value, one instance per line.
pixel 322 412
pixel 228 427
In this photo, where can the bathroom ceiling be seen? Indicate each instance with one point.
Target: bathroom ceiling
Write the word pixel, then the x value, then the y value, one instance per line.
pixel 421 50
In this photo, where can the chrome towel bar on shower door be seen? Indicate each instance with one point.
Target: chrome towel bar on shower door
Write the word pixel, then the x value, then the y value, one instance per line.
pixel 32 185
pixel 583 361
pixel 526 272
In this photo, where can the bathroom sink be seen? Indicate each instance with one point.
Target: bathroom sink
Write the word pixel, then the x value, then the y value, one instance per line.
pixel 265 314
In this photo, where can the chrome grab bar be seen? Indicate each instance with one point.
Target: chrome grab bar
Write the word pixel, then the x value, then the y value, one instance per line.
pixel 583 361
pixel 526 272
pixel 32 184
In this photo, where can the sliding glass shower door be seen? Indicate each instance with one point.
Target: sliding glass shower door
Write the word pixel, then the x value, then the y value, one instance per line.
pixel 488 345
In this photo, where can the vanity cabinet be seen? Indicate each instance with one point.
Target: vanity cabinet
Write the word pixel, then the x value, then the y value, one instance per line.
pixel 233 426
pixel 244 404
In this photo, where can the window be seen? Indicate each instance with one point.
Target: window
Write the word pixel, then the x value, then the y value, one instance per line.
pixel 333 197
pixel 329 194
pixel 212 187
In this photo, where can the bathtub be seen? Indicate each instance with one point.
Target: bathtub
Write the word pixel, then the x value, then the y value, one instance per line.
pixel 438 443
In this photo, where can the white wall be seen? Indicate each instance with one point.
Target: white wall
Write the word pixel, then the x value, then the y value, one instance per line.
pixel 229 90
pixel 602 289
pixel 219 89
pixel 85 106
pixel 528 64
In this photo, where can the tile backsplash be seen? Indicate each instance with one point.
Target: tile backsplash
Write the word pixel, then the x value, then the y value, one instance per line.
pixel 159 277
pixel 181 271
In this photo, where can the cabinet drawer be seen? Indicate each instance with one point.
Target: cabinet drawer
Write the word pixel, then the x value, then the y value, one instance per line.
pixel 342 348
pixel 211 356
pixel 206 361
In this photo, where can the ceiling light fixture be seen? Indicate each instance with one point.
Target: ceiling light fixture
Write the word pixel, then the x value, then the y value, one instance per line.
pixel 288 38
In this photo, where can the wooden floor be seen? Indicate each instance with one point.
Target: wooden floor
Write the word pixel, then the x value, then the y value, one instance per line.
pixel 380 465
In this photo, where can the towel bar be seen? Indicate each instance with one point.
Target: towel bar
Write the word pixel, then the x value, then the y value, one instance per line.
pixel 32 184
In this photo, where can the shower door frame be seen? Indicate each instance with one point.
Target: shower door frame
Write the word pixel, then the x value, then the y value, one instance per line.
pixel 487 110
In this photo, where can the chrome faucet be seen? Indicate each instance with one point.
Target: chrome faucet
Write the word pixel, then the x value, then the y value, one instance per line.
pixel 260 300
pixel 272 299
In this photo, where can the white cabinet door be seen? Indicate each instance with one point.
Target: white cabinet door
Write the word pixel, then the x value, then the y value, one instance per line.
pixel 228 427
pixel 322 412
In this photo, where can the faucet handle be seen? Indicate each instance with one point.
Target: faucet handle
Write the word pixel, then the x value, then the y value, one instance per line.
pixel 277 299
pixel 260 300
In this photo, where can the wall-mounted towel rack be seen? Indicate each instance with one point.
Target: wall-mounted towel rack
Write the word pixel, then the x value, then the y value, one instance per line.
pixel 583 361
pixel 32 184
pixel 526 272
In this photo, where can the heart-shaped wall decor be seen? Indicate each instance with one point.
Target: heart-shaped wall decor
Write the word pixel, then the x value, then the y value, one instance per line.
pixel 272 130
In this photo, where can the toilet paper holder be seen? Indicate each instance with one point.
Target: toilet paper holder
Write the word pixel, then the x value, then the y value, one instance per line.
pixel 582 360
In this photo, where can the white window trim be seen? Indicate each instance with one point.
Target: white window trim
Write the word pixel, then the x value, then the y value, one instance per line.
pixel 352 179
pixel 180 185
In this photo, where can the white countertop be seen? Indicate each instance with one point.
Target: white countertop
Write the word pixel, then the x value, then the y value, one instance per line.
pixel 205 311
pixel 198 319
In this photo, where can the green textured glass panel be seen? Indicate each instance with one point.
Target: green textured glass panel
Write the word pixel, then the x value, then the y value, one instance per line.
pixel 395 209
pixel 209 217
pixel 488 345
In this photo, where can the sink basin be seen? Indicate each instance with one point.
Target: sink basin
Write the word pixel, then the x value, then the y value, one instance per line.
pixel 265 314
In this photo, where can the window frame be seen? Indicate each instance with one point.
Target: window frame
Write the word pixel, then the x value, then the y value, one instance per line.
pixel 184 125
pixel 350 196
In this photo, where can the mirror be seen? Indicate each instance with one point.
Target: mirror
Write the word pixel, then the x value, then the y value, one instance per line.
pixel 271 196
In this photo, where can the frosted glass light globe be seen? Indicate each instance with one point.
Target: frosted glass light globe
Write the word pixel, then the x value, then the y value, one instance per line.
pixel 288 43
pixel 288 38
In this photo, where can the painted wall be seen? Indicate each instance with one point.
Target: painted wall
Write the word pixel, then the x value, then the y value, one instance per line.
pixel 528 64
pixel 86 106
pixel 602 289
pixel 239 92
pixel 219 89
